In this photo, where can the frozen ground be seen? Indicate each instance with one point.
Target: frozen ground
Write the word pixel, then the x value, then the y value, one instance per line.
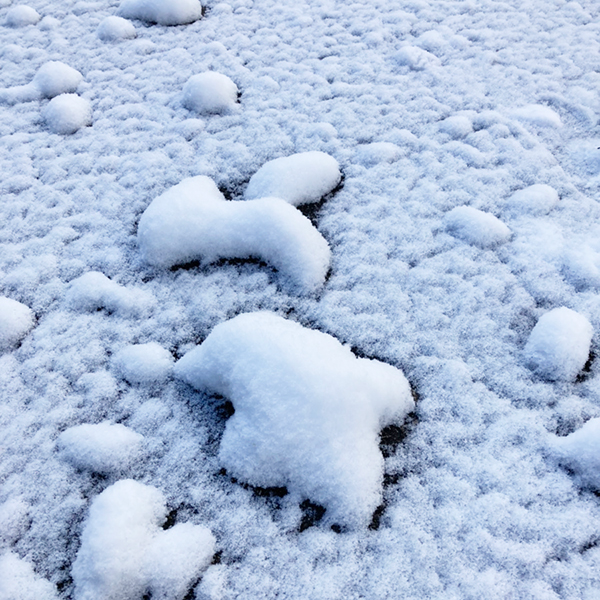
pixel 427 107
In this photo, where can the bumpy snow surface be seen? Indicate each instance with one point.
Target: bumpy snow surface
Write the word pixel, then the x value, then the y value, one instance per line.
pixel 462 210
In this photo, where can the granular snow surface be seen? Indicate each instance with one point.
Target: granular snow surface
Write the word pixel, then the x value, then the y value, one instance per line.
pixel 487 491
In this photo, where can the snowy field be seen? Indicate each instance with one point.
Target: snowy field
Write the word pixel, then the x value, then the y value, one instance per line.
pixel 369 369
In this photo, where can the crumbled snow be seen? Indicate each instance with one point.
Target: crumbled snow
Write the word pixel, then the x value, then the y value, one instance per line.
pixel 307 411
pixel 143 363
pixel 68 113
pixel 192 220
pixel 21 16
pixel 115 28
pixel 476 227
pixel 16 320
pixel 537 199
pixel 18 581
pixel 297 179
pixel 101 448
pixel 209 92
pixel 538 114
pixel 163 12
pixel 559 344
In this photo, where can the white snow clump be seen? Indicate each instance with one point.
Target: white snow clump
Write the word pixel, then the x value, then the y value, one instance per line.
pixel 457 126
pixel 18 581
pixel 559 345
pixel 67 113
pixel 476 227
pixel 209 92
pixel 143 363
pixel 163 12
pixel 100 448
pixel 298 179
pixel 538 199
pixel 16 320
pixel 538 114
pixel 125 553
pixel 581 452
pixel 21 16
pixel 307 411
pixel 415 58
pixel 192 220
pixel 116 28
pixel 52 79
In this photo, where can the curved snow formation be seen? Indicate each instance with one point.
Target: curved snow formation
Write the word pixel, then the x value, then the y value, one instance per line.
pixel 163 12
pixel 16 320
pixel 52 79
pixel 209 92
pixel 113 28
pixel 298 179
pixel 192 220
pixel 476 227
pixel 559 344
pixel 307 411
pixel 124 551
pixel 67 113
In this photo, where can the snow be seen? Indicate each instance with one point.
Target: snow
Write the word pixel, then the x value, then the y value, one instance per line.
pixel 163 12
pixel 415 58
pixel 21 16
pixel 101 448
pixel 298 179
pixel 307 411
pixel 67 113
pixel 476 227
pixel 115 28
pixel 378 152
pixel 538 114
pixel 559 344
pixel 538 199
pixel 143 363
pixel 124 551
pixel 209 92
pixel 18 580
pixel 16 320
pixel 192 220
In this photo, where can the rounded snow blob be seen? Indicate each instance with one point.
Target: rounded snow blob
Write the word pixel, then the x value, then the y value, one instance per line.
pixel 476 227
pixel 54 78
pixel 22 15
pixel 144 363
pixel 163 12
pixel 559 345
pixel 209 92
pixel 68 113
pixel 16 320
pixel 457 126
pixel 114 28
pixel 298 179
pixel 538 199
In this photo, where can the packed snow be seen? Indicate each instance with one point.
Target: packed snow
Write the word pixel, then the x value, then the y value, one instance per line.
pixel 307 411
pixel 476 227
pixel 143 363
pixel 16 320
pixel 172 12
pixel 538 199
pixel 210 92
pixel 67 113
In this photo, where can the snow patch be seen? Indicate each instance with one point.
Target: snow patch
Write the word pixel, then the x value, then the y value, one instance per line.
pixel 144 363
pixel 209 92
pixel 307 411
pixel 115 28
pixel 163 12
pixel 68 113
pixel 21 16
pixel 537 199
pixel 476 227
pixel 18 581
pixel 16 320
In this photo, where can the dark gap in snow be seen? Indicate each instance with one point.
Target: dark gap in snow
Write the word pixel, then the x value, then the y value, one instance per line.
pixel 337 528
pixel 311 514
pixel 269 492
pixel 587 368
pixel 216 559
pixel 188 266
pixel 225 410
pixel 170 520
pixel 593 543
pixel 233 190
pixel 312 210
pixel 376 520
pixel 393 435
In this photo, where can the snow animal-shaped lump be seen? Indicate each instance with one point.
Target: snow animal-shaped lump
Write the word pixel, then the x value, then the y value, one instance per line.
pixel 307 411
pixel 16 320
pixel 193 220
pixel 68 113
pixel 209 92
pixel 163 12
pixel 476 227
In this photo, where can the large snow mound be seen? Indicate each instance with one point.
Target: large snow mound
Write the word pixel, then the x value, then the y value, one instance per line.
pixel 476 227
pixel 124 551
pixel 115 28
pixel 537 199
pixel 67 113
pixel 18 581
pixel 16 320
pixel 21 16
pixel 559 344
pixel 100 448
pixel 192 220
pixel 307 411
pixel 298 179
pixel 163 12
pixel 143 363
pixel 209 92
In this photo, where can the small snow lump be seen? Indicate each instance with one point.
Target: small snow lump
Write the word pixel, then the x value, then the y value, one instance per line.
pixel 21 16
pixel 143 363
pixel 68 113
pixel 298 179
pixel 476 227
pixel 16 320
pixel 209 92
pixel 559 345
pixel 415 58
pixel 115 28
pixel 538 114
pixel 163 12
pixel 537 199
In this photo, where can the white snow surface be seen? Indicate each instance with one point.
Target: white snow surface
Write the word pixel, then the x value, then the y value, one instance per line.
pixel 209 92
pixel 21 16
pixel 144 363
pixel 68 113
pixel 192 220
pixel 476 227
pixel 163 12
pixel 307 411
pixel 16 320
pixel 476 504
pixel 298 179
pixel 559 344
pixel 115 28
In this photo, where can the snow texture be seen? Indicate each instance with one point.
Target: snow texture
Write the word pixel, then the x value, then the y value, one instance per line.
pixel 559 344
pixel 209 92
pixel 143 363
pixel 538 199
pixel 16 320
pixel 21 16
pixel 102 448
pixel 124 551
pixel 113 28
pixel 163 12
pixel 67 113
pixel 192 220
pixel 476 227
pixel 297 179
pixel 18 580
pixel 307 411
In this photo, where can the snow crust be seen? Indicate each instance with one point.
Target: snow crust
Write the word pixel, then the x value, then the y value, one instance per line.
pixel 559 344
pixel 18 581
pixel 210 92
pixel 16 320
pixel 163 12
pixel 101 448
pixel 144 363
pixel 298 179
pixel 307 411
pixel 115 28
pixel 476 227
pixel 67 113
pixel 21 16
pixel 192 220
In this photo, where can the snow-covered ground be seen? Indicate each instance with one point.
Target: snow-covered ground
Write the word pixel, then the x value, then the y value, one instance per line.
pixel 460 247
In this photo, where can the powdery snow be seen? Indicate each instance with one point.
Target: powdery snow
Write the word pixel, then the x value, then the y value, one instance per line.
pixel 143 363
pixel 209 92
pixel 67 113
pixel 16 320
pixel 163 12
pixel 307 411
pixel 476 227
